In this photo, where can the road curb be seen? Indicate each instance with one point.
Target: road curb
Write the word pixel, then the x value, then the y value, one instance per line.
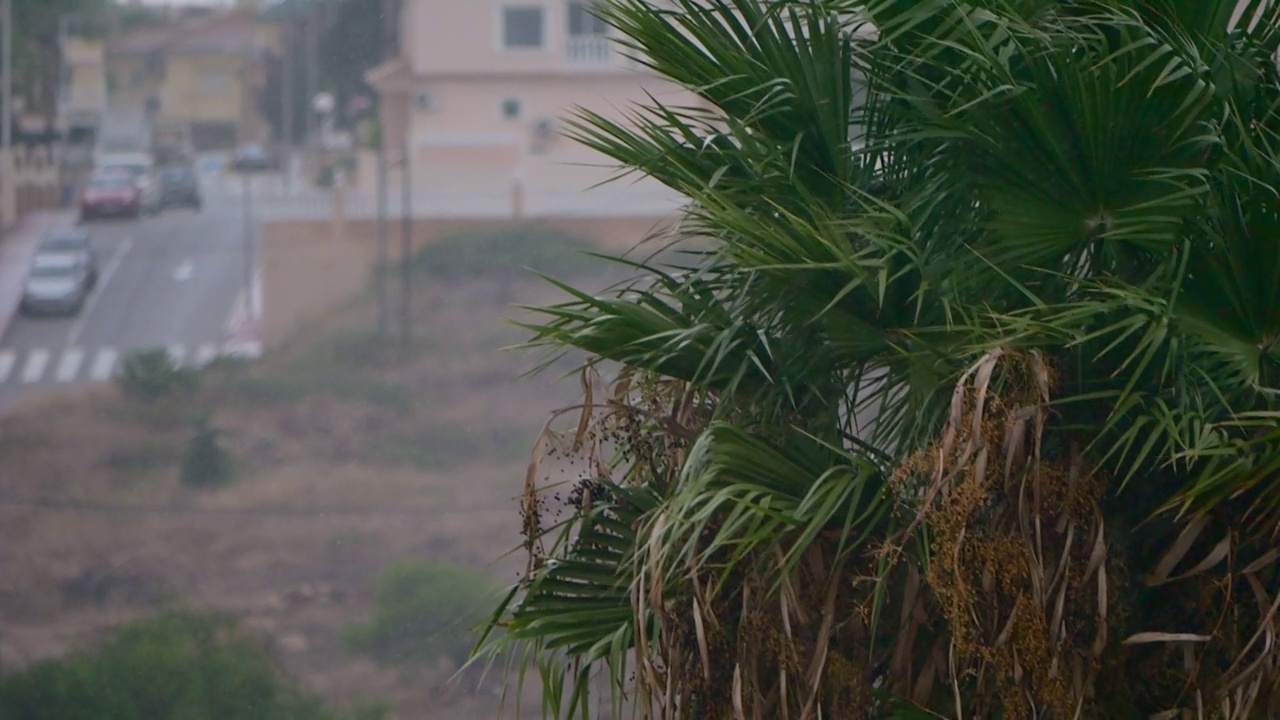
pixel 243 331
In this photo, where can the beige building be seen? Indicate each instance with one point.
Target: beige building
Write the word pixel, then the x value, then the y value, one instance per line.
pixel 199 77
pixel 482 88
pixel 83 98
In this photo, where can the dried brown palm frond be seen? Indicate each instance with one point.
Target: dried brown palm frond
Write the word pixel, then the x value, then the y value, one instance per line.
pixel 1045 613
pixel 1018 557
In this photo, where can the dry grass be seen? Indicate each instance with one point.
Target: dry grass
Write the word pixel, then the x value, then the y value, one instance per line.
pixel 348 459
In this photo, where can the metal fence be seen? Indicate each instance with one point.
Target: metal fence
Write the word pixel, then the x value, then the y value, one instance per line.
pixel 272 201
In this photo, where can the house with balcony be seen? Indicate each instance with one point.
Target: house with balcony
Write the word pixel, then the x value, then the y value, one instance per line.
pixel 480 91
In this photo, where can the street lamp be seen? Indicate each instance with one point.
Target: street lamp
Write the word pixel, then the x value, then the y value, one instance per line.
pixel 246 177
pixel 6 76
pixel 323 104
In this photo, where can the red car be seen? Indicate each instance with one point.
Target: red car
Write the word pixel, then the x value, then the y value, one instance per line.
pixel 111 194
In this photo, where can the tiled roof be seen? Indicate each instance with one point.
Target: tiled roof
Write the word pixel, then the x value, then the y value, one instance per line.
pixel 225 35
pixel 145 40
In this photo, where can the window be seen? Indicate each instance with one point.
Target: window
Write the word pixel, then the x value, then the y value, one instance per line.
pixel 522 27
pixel 583 23
pixel 213 82
pixel 510 108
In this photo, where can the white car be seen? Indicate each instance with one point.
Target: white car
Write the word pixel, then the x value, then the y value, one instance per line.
pixel 56 285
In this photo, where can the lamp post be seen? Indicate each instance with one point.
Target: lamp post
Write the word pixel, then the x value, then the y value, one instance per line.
pixel 6 76
pixel 247 187
pixel 324 104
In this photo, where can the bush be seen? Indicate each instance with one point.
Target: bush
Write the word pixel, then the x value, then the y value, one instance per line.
pixel 206 463
pixel 505 253
pixel 150 375
pixel 177 666
pixel 423 612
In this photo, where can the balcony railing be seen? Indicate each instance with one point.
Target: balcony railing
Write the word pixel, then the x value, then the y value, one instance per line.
pixel 589 50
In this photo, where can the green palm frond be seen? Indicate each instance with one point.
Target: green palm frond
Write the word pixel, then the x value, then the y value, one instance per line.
pixel 741 497
pixel 1019 253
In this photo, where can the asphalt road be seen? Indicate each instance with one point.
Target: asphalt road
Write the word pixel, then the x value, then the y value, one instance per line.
pixel 169 281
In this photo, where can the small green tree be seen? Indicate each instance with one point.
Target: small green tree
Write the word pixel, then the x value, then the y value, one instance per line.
pixel 149 375
pixel 422 612
pixel 206 463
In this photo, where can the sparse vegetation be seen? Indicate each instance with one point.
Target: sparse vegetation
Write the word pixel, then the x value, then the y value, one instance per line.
pixel 423 612
pixel 206 463
pixel 178 666
pixel 415 455
pixel 507 252
pixel 151 375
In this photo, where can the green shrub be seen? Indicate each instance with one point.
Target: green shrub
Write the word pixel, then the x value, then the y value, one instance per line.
pixel 423 612
pixel 150 375
pixel 206 463
pixel 505 253
pixel 177 666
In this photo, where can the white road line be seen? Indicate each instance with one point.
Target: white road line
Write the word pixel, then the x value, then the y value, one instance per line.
pixel 177 353
pixel 204 355
pixel 70 365
pixel 103 278
pixel 103 365
pixel 37 361
pixel 184 271
pixel 8 359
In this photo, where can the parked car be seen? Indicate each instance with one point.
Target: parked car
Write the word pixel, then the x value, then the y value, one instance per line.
pixel 179 187
pixel 76 244
pixel 251 158
pixel 141 165
pixel 111 193
pixel 133 162
pixel 56 285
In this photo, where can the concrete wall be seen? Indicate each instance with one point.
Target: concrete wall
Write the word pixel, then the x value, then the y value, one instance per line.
pixel 464 142
pixel 310 267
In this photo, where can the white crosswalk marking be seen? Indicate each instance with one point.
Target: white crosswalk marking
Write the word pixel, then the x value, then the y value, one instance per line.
pixel 103 365
pixel 37 361
pixel 206 354
pixel 38 365
pixel 8 359
pixel 70 365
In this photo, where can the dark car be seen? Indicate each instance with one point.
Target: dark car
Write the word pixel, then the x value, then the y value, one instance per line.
pixel 56 285
pixel 111 194
pixel 251 158
pixel 179 187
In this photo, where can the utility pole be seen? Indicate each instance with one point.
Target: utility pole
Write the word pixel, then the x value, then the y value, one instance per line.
pixel 406 246
pixel 383 212
pixel 6 77
pixel 286 73
pixel 313 64
pixel 248 242
pixel 384 310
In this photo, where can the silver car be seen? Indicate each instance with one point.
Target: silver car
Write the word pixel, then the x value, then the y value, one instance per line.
pixel 56 285
pixel 74 243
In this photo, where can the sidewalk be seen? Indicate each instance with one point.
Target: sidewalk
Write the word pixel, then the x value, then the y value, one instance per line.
pixel 16 248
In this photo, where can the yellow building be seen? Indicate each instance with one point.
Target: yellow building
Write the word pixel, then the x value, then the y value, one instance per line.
pixel 198 79
pixel 83 96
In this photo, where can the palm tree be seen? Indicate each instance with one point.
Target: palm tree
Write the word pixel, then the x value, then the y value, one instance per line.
pixel 959 398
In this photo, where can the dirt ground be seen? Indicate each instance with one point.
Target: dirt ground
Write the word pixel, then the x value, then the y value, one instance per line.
pixel 348 458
